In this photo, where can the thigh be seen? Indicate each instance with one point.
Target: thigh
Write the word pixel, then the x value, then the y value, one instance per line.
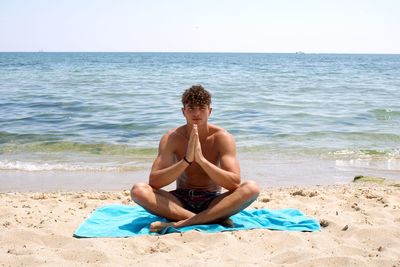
pixel 240 192
pixel 218 199
pixel 168 196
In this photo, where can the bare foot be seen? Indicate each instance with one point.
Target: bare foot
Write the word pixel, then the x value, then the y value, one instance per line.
pixel 227 223
pixel 156 227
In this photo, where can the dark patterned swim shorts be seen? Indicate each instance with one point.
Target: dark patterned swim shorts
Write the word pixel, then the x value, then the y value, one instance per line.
pixel 195 200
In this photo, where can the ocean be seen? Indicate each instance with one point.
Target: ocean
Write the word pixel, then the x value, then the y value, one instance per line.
pixel 297 118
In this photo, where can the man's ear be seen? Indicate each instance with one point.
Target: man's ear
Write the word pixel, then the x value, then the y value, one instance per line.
pixel 209 111
pixel 183 111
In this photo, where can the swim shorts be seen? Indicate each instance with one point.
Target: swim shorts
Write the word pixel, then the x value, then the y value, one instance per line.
pixel 195 200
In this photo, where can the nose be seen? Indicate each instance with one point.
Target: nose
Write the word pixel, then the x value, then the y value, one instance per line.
pixel 196 111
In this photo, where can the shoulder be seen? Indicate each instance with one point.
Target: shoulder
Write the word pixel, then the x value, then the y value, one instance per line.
pixel 224 142
pixel 172 132
pixel 173 135
pixel 222 136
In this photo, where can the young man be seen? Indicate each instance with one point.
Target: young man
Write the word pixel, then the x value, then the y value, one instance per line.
pixel 201 158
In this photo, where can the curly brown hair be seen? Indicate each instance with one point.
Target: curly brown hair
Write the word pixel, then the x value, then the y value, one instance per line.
pixel 197 96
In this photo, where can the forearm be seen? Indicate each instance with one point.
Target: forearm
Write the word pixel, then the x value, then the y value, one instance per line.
pixel 164 177
pixel 226 179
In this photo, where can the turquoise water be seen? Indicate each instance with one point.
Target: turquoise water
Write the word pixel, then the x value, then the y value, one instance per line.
pixel 107 111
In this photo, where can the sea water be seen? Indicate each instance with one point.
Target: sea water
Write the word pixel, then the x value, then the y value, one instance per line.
pixel 295 117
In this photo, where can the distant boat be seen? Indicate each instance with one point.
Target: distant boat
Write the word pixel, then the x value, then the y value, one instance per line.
pixel 300 53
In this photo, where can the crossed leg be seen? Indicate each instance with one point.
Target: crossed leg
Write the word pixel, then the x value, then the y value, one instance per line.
pixel 164 204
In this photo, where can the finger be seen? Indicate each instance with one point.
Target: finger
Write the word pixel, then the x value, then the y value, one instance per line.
pixel 192 135
pixel 194 129
pixel 197 145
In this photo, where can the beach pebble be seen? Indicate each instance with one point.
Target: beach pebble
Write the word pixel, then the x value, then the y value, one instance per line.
pixel 324 223
pixel 304 194
pixel 298 193
pixel 39 196
pixel 345 228
pixel 368 179
pixel 83 205
pixel 355 206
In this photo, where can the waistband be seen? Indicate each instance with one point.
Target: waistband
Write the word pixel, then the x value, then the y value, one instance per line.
pixel 197 192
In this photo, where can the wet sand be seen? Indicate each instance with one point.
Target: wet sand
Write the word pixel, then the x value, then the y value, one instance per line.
pixel 266 170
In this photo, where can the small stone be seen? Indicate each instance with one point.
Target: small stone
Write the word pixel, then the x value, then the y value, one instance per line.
pixel 83 206
pixel 324 223
pixel 298 193
pixel 39 196
pixel 103 197
pixel 368 179
pixel 345 228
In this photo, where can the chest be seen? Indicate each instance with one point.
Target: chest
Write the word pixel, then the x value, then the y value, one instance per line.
pixel 209 149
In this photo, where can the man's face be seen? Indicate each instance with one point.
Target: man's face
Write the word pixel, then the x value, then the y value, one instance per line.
pixel 196 114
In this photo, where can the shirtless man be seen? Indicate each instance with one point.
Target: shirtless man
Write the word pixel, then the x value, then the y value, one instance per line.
pixel 201 158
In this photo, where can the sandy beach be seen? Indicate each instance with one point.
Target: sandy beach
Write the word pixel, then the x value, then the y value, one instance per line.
pixel 360 228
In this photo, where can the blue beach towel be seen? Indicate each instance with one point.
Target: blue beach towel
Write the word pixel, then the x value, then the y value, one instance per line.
pixel 124 221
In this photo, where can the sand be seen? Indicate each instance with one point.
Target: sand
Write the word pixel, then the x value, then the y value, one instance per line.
pixel 362 228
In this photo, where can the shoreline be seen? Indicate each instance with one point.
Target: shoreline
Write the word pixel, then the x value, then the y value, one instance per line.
pixel 361 228
pixel 267 173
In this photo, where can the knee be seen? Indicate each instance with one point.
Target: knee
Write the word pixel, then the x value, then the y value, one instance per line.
pixel 140 192
pixel 250 190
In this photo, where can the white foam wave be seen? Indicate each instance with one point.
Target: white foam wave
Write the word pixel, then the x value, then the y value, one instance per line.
pixel 45 166
pixel 367 154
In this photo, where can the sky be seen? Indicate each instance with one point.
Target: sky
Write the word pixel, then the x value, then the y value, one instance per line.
pixel 270 26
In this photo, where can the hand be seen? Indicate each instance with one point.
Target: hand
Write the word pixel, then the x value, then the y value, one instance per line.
pixel 198 154
pixel 191 146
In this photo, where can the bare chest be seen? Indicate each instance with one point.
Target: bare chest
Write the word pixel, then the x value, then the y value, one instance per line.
pixel 194 176
pixel 208 149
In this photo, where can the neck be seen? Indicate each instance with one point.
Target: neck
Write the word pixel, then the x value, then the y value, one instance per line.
pixel 202 130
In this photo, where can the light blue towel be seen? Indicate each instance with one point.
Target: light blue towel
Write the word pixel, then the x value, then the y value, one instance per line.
pixel 124 221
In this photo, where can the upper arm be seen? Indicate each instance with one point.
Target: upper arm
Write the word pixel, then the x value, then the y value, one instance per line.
pixel 165 157
pixel 228 159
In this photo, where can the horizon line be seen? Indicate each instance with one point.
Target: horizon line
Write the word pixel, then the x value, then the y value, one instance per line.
pixel 210 52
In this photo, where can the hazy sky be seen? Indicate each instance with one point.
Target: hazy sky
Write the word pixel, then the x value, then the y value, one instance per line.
pixel 332 26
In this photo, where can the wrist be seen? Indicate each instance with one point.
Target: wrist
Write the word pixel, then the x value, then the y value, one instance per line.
pixel 187 161
pixel 201 160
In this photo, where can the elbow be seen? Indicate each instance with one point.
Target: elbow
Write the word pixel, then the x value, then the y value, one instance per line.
pixel 154 186
pixel 234 184
pixel 232 187
pixel 153 182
